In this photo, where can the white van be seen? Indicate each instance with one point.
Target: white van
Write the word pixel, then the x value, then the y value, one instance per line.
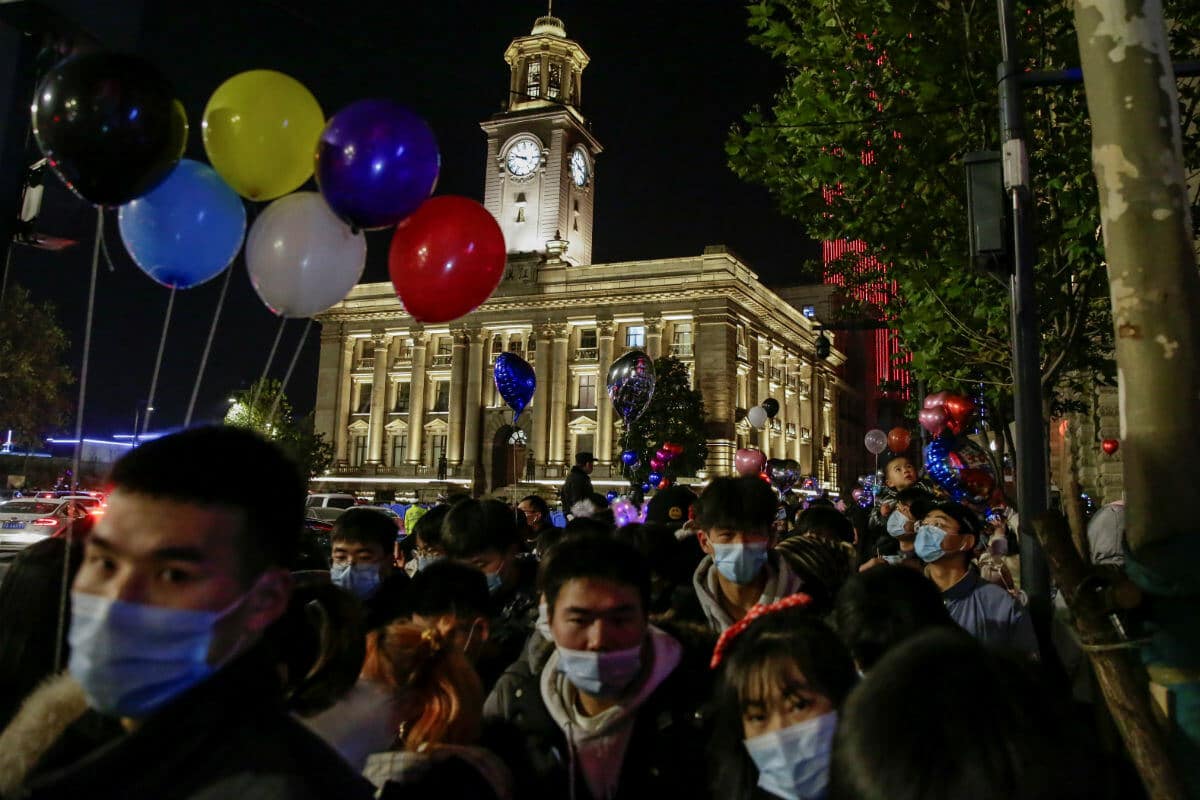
pixel 327 507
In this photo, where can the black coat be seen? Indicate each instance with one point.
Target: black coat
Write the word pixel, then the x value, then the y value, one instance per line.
pixel 578 486
pixel 228 737
pixel 664 759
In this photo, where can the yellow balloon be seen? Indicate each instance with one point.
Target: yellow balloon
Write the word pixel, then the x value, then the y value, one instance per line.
pixel 260 132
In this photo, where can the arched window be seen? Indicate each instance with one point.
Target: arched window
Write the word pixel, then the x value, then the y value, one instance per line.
pixel 533 78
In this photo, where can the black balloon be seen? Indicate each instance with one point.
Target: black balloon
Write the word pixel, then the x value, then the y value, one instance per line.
pixel 110 125
pixel 771 406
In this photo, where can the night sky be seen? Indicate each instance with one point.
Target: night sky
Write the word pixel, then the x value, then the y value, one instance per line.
pixel 665 83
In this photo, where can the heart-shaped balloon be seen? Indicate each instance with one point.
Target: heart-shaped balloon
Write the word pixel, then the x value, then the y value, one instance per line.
pixel 1110 446
pixel 515 381
pixel 783 475
pixel 936 400
pixel 748 461
pixel 959 410
pixel 932 420
pixel 631 385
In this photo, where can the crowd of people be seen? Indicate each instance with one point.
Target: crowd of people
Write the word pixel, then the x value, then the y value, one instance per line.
pixel 729 647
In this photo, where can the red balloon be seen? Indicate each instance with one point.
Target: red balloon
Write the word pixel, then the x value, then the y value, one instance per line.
pixel 936 400
pixel 979 482
pixel 1111 445
pixel 747 461
pixel 958 412
pixel 664 483
pixel 933 420
pixel 446 258
pixel 898 440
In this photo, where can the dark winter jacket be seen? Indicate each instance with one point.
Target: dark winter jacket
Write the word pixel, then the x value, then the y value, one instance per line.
pixel 514 614
pixel 664 756
pixel 228 737
pixel 578 486
pixel 389 602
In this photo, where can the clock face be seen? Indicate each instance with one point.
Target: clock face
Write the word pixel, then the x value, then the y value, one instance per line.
pixel 524 157
pixel 579 167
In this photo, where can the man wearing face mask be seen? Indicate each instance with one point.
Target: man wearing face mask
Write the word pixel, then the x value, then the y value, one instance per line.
pixel 613 713
pixel 483 534
pixel 740 569
pixel 181 578
pixel 945 541
pixel 362 543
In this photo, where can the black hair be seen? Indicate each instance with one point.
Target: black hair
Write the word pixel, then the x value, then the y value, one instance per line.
pixel 429 526
pixel 595 557
pixel 29 632
pixel 918 500
pixel 321 641
pixel 760 658
pixel 547 538
pixel 942 718
pixel 449 587
pixel 589 526
pixel 227 467
pixel 826 522
pixel 365 525
pixel 878 609
pixel 822 565
pixel 735 503
pixel 539 505
pixel 472 527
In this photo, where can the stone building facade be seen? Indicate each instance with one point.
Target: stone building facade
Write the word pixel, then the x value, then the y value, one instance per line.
pixel 404 403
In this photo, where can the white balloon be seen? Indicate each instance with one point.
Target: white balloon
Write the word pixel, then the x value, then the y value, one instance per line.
pixel 875 441
pixel 757 416
pixel 301 258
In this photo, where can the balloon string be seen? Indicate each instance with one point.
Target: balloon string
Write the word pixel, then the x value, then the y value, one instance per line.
pixel 162 344
pixel 267 368
pixel 288 375
pixel 212 332
pixel 107 258
pixel 64 588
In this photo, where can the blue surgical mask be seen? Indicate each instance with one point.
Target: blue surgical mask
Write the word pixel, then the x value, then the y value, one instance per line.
pixel 895 524
pixel 361 580
pixel 600 674
pixel 132 658
pixel 425 561
pixel 494 580
pixel 740 562
pixel 793 762
pixel 928 543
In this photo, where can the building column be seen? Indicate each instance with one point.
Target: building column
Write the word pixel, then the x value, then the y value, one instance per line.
pixel 458 393
pixel 329 373
pixel 604 409
pixel 542 369
pixel 762 392
pixel 715 346
pixel 416 398
pixel 558 395
pixel 654 326
pixel 472 446
pixel 378 418
pixel 793 404
pixel 341 439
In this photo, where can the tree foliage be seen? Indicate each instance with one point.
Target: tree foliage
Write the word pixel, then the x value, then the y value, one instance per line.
pixel 33 379
pixel 865 142
pixel 675 414
pixel 258 409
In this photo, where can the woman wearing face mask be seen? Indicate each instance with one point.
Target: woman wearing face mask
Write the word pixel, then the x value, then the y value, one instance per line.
pixel 436 703
pixel 783 676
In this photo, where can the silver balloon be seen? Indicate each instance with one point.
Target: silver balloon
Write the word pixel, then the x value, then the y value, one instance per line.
pixel 757 417
pixel 631 385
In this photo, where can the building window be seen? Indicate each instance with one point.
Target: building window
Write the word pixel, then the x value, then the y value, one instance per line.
pixel 554 82
pixel 587 391
pixel 399 449
pixel 444 353
pixel 437 449
pixel 358 450
pixel 532 344
pixel 441 396
pixel 635 336
pixel 681 341
pixel 514 344
pixel 533 78
pixel 587 337
pixel 403 395
pixel 520 213
pixel 364 399
pixel 585 443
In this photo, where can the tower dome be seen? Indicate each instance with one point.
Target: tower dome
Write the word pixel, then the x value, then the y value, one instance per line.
pixel 549 26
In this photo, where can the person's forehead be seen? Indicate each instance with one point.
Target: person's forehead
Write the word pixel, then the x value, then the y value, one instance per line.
pixel 357 544
pixel 597 594
pixel 139 525
pixel 941 516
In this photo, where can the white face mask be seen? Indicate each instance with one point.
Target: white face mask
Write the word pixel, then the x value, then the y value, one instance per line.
pixel 793 762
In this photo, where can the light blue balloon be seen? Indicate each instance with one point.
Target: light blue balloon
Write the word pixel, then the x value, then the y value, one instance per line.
pixel 187 230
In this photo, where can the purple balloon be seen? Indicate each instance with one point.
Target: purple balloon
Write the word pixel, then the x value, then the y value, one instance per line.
pixel 515 380
pixel 376 162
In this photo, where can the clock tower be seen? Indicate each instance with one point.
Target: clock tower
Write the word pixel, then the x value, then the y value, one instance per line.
pixel 540 183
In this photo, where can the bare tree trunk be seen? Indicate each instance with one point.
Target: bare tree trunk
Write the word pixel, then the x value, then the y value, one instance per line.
pixel 1155 292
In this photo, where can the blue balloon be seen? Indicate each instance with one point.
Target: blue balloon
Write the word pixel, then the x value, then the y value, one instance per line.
pixel 376 162
pixel 645 487
pixel 611 496
pixel 629 457
pixel 515 381
pixel 186 230
pixel 654 478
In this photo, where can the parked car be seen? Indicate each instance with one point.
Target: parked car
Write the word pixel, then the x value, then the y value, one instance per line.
pixel 327 507
pixel 315 545
pixel 29 520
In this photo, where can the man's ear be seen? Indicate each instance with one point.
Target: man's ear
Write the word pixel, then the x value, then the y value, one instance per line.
pixel 705 544
pixel 969 541
pixel 483 629
pixel 268 598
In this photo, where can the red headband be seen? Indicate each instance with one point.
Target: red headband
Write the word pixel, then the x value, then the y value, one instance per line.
pixel 798 600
